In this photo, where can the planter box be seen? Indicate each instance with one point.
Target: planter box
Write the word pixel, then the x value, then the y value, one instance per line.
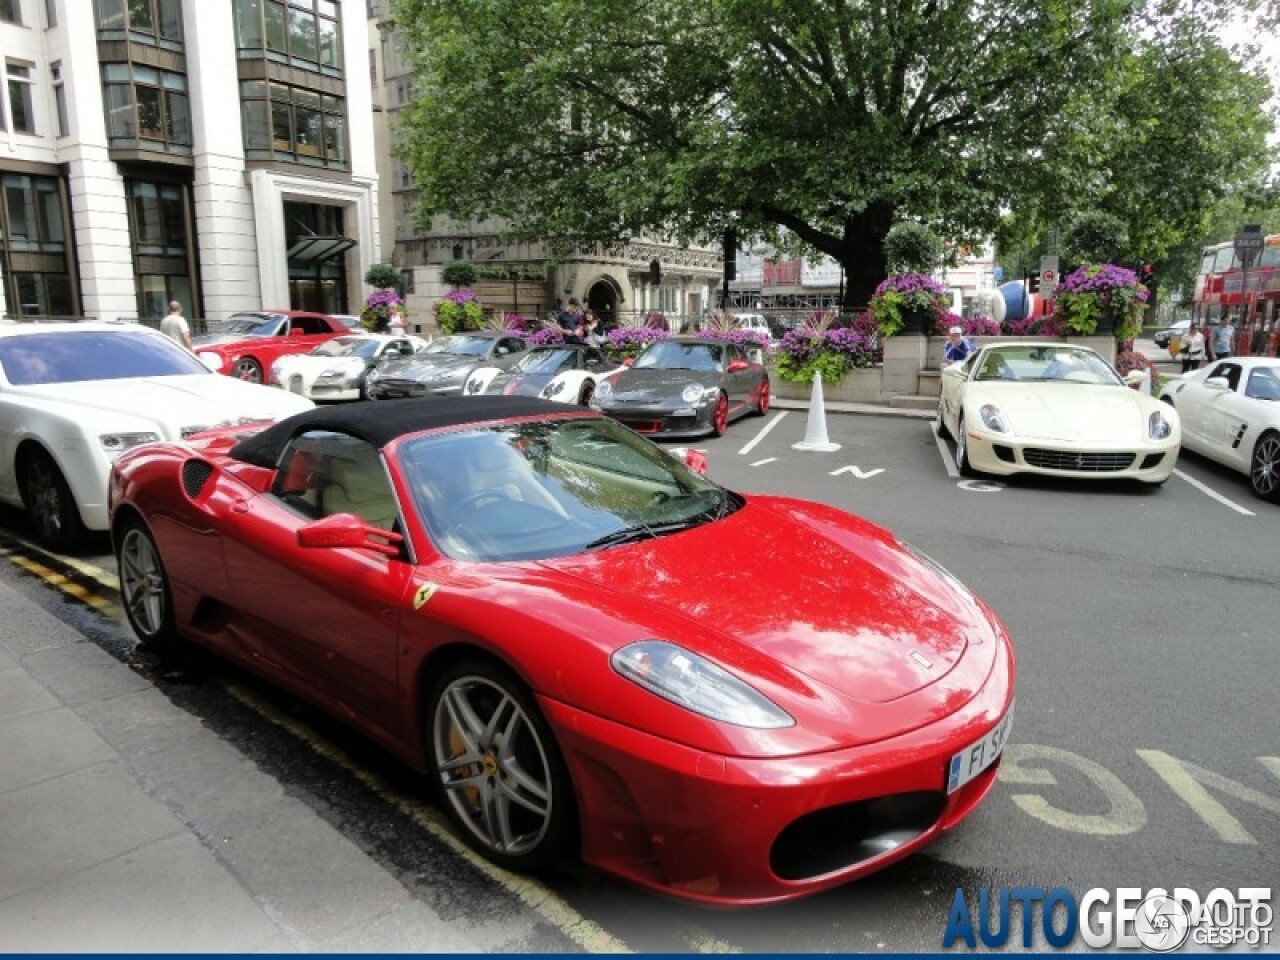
pixel 858 386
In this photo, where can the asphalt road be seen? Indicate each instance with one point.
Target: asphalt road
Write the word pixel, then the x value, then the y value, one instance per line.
pixel 1144 750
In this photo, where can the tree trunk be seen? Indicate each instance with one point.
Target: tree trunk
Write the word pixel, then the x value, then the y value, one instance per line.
pixel 862 254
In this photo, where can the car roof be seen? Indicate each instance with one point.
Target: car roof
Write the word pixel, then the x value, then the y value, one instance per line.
pixel 383 421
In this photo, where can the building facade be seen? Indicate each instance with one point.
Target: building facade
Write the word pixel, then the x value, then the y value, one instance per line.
pixel 214 152
pixel 643 275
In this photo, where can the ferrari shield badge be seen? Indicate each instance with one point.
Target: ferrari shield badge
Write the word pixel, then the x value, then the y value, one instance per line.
pixel 424 594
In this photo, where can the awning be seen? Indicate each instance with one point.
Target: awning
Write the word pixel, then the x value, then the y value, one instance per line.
pixel 319 249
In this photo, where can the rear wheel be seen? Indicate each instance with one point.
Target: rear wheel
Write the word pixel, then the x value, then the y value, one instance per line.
pixel 588 391
pixel 940 423
pixel 49 503
pixel 247 368
pixel 498 768
pixel 962 450
pixel 1264 467
pixel 144 586
pixel 762 398
pixel 720 416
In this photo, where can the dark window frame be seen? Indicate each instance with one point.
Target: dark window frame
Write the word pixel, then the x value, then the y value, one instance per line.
pixel 115 21
pixel 280 105
pixel 278 33
pixel 174 104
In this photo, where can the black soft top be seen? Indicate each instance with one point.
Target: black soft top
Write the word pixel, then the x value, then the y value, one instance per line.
pixel 380 422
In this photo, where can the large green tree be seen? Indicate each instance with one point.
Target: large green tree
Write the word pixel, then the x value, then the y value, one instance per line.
pixel 818 121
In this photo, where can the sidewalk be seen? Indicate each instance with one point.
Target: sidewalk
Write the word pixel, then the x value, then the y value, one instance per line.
pixel 126 825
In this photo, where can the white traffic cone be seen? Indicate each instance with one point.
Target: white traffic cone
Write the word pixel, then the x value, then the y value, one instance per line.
pixel 815 431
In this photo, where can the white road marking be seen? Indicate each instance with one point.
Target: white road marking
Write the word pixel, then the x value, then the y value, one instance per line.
pixel 1213 493
pixel 857 472
pixel 947 460
pixel 1189 781
pixel 1126 814
pixel 761 463
pixel 762 434
pixel 981 486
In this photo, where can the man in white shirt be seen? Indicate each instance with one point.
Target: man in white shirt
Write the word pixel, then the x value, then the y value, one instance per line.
pixel 175 326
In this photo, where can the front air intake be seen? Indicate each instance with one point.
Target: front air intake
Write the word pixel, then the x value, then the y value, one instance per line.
pixel 195 474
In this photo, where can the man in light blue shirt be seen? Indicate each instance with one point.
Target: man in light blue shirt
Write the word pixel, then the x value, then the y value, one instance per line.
pixel 1222 340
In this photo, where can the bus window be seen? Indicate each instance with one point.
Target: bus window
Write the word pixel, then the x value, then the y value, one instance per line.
pixel 1270 255
pixel 1226 260
pixel 1206 265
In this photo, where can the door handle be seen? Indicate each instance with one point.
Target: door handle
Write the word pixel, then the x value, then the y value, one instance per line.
pixel 240 506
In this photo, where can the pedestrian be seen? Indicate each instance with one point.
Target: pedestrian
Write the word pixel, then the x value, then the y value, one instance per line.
pixel 397 326
pixel 591 328
pixel 1221 340
pixel 175 325
pixel 958 347
pixel 1193 349
pixel 570 321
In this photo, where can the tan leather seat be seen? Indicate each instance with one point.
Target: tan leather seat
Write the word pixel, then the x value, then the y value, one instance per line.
pixel 360 486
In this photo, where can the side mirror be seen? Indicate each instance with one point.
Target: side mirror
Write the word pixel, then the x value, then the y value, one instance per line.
pixel 1135 377
pixel 737 366
pixel 502 351
pixel 628 361
pixel 349 531
pixel 695 460
pixel 955 370
pixel 1218 383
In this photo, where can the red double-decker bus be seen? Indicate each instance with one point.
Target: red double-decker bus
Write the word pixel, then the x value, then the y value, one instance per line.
pixel 1251 301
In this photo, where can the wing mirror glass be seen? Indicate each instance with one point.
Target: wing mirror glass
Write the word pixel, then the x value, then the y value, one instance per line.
pixel 1218 383
pixel 737 366
pixel 349 531
pixel 695 460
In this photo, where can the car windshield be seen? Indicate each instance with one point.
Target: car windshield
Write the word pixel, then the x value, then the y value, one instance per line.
pixel 547 360
pixel 347 347
pixel 674 355
pixel 465 346
pixel 533 490
pixel 72 357
pixel 249 325
pixel 1036 363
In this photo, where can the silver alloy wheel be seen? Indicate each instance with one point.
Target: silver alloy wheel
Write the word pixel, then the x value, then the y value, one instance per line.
pixel 44 500
pixel 142 585
pixel 940 423
pixel 962 447
pixel 1264 471
pixel 493 766
pixel 247 370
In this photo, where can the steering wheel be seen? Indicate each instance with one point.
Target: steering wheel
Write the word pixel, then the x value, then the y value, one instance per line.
pixel 488 494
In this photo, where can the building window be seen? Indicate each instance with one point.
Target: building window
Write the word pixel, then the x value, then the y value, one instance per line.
pixel 153 22
pixel 159 225
pixel 33 246
pixel 373 68
pixel 19 76
pixel 10 12
pixel 60 100
pixel 51 13
pixel 147 108
pixel 301 33
pixel 283 122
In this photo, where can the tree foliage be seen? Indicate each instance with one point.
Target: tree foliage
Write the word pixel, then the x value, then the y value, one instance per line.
pixel 912 248
pixel 818 121
pixel 1095 237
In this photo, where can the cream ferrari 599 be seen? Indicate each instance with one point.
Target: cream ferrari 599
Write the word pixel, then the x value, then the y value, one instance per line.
pixel 1055 409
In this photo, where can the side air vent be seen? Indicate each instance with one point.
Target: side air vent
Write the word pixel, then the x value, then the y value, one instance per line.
pixel 195 473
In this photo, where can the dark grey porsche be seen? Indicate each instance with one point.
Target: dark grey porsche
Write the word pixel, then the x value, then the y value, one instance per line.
pixel 443 367
pixel 685 387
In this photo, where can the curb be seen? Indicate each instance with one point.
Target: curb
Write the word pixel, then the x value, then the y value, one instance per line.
pixel 864 409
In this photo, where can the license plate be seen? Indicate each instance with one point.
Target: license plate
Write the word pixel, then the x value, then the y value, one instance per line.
pixel 979 755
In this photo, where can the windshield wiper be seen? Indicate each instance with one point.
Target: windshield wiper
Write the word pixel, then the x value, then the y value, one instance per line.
pixel 641 531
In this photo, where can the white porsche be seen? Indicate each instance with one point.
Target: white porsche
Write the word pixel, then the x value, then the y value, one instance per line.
pixel 567 372
pixel 339 368
pixel 1230 413
pixel 1055 409
pixel 74 396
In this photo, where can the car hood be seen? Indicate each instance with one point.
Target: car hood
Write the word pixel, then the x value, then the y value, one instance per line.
pixel 411 367
pixel 818 592
pixel 1068 412
pixel 654 386
pixel 178 404
pixel 317 365
pixel 520 385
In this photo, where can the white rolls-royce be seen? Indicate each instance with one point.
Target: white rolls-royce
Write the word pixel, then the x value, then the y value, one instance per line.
pixel 1055 409
pixel 1230 413
pixel 74 396
pixel 338 369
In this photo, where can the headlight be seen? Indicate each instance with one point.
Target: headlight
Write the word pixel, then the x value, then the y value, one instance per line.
pixel 554 388
pixel 1158 428
pixel 276 368
pixel 691 394
pixel 697 684
pixel 373 374
pixel 114 444
pixel 993 418
pixel 211 360
pixel 604 388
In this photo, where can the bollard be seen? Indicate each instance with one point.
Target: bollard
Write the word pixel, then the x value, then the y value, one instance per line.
pixel 815 431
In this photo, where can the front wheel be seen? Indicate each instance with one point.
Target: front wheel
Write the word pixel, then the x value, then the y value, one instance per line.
pixel 50 504
pixel 720 416
pixel 588 391
pixel 762 398
pixel 248 369
pixel 1264 467
pixel 498 768
pixel 941 422
pixel 144 586
pixel 962 450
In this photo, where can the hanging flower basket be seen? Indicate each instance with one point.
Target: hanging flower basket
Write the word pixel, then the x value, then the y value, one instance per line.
pixel 1100 299
pixel 908 303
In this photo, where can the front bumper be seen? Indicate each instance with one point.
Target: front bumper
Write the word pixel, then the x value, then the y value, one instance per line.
pixel 405 389
pixel 662 421
pixel 730 831
pixel 1003 455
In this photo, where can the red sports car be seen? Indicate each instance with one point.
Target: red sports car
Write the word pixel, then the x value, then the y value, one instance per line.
pixel 582 639
pixel 246 344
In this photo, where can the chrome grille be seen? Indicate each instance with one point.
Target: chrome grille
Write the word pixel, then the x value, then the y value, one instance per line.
pixel 1073 462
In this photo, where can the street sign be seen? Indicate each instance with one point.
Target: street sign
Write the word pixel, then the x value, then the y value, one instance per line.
pixel 1048 276
pixel 1248 244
